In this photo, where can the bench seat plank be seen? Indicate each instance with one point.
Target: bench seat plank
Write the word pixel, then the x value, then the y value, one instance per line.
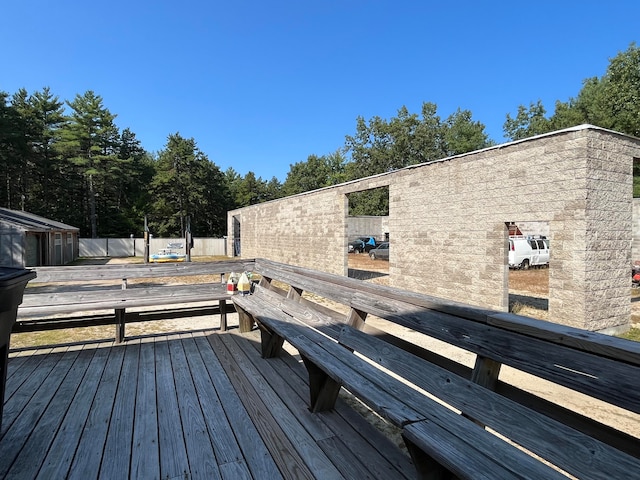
pixel 453 453
pixel 130 298
pixel 573 451
pixel 78 296
pixel 393 305
pixel 541 434
pixel 588 372
pixel 388 396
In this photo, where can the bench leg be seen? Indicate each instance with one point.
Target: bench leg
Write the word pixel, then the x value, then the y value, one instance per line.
pixel 324 389
pixel 485 373
pixel 245 320
pixel 120 322
pixel 4 364
pixel 223 315
pixel 426 467
pixel 270 342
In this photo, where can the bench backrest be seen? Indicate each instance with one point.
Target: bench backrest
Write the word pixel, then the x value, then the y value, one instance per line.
pixel 600 366
pixel 87 273
pixel 582 455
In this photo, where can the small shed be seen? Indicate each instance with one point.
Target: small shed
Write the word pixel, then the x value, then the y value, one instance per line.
pixel 28 240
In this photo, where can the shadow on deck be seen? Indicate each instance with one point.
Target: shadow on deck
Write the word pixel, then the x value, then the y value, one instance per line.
pixel 191 405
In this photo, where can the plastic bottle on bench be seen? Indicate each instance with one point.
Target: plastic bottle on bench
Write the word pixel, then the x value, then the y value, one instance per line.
pixel 244 285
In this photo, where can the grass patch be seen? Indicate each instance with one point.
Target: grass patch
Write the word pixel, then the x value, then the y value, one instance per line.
pixel 633 334
pixel 62 336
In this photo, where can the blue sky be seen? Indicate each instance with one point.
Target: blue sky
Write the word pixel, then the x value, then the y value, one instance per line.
pixel 261 85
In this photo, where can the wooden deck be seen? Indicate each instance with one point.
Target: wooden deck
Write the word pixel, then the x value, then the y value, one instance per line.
pixel 192 405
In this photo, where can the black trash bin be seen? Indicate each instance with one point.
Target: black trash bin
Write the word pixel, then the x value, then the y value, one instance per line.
pixel 12 283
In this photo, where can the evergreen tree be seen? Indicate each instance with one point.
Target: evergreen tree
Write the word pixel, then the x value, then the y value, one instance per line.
pixel 250 190
pixel 527 122
pixel 187 184
pixel 316 172
pixel 89 145
pixel 47 196
pixel 14 150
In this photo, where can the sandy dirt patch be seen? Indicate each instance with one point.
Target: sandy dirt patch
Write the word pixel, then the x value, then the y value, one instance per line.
pixel 525 285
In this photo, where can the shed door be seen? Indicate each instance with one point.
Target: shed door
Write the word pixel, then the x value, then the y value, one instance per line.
pixel 57 249
pixel 32 256
pixel 68 252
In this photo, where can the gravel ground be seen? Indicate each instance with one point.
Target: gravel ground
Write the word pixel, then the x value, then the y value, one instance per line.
pixel 600 411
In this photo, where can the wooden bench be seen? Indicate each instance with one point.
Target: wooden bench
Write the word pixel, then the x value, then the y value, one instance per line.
pixel 450 413
pixel 89 295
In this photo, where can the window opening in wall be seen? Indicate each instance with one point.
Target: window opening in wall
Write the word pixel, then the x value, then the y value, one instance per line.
pixel 528 260
pixel 236 237
pixel 368 235
pixel 636 178
pixel 635 234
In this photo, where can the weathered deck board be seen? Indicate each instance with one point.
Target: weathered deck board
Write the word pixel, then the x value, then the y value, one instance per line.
pixel 279 445
pixel 86 463
pixel 202 460
pixel 387 464
pixel 251 444
pixel 60 456
pixel 25 370
pixel 118 444
pixel 145 459
pixel 173 452
pixel 194 405
pixel 53 414
pixel 214 416
pixel 294 424
pixel 29 416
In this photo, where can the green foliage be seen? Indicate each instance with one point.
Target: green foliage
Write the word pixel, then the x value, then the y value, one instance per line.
pixel 89 146
pixel 14 153
pixel 633 334
pixel 382 146
pixel 68 160
pixel 622 91
pixel 370 202
pixel 187 184
pixel 316 172
pixel 612 101
pixel 249 190
pixel 636 179
pixel 462 135
pixel 527 122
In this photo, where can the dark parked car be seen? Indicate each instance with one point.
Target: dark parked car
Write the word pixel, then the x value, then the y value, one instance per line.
pixel 362 244
pixel 381 251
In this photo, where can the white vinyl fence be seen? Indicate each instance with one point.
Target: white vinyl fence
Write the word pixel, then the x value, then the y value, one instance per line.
pixel 134 247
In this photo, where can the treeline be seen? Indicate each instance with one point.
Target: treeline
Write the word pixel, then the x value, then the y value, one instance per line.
pixel 67 160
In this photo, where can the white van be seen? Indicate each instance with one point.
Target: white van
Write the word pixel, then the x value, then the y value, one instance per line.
pixel 528 251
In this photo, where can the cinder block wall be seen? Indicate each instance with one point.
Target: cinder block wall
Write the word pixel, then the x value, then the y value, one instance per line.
pixel 307 230
pixel 447 222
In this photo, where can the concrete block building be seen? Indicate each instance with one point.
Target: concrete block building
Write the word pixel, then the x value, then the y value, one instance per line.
pixel 448 224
